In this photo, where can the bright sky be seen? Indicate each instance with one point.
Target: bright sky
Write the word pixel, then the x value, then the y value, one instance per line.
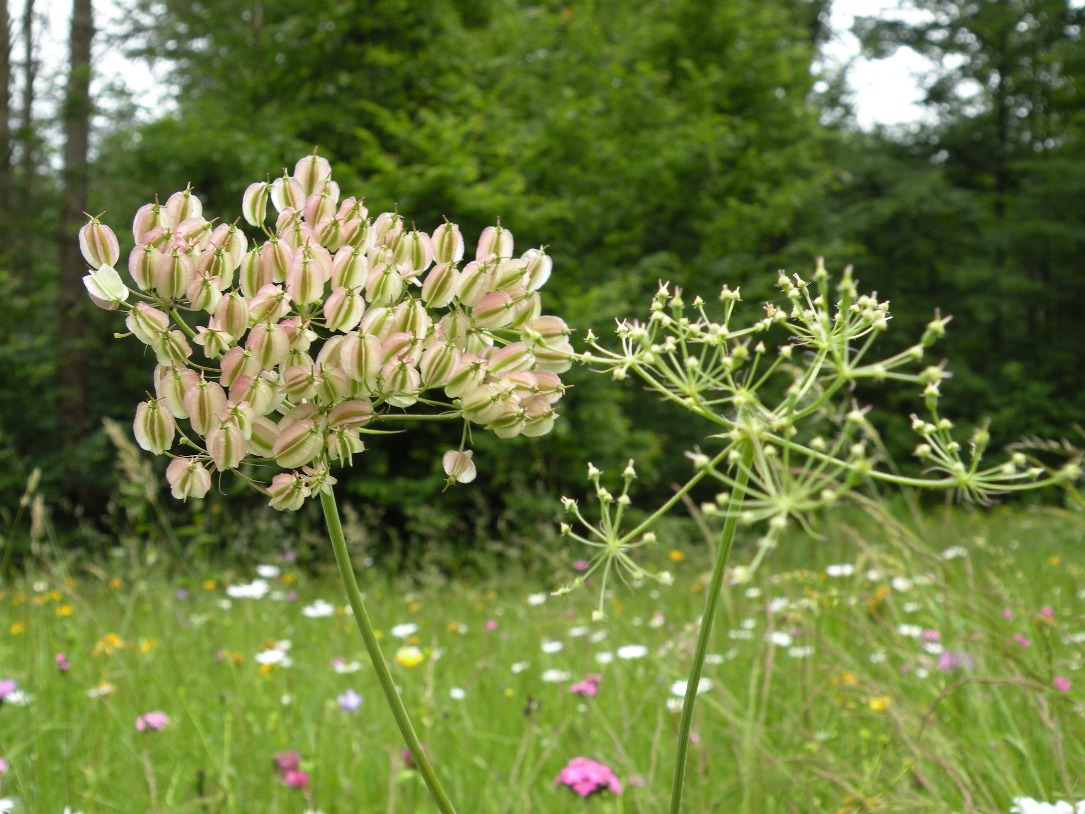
pixel 885 91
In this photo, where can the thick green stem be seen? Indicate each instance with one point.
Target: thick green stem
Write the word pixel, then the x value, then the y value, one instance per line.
pixel 365 627
pixel 727 539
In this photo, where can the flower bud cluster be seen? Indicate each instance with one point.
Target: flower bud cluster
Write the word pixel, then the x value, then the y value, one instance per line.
pixel 330 323
pixel 785 437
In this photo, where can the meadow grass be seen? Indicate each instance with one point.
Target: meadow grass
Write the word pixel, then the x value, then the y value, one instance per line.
pixel 873 670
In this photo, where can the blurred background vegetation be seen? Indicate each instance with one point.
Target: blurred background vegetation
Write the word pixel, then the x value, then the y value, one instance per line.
pixel 705 142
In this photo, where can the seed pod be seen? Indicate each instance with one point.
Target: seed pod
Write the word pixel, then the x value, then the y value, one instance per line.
pixel 187 478
pixel 105 288
pixel 226 446
pixel 171 273
pixel 350 268
pixel 236 363
pixel 400 383
pixel 413 252
pixel 203 293
pixel 539 265
pixel 254 203
pixel 182 206
pixel 351 414
pixel 203 401
pixel 269 344
pixel 447 243
pixel 438 364
pixel 493 310
pixel 311 172
pixel 439 288
pixel 262 439
pixel 141 265
pixel 287 193
pixel 458 465
pixel 146 323
pixel 298 444
pixel 275 257
pixel 538 417
pixel 495 241
pixel 154 427
pixel 170 384
pixel 288 492
pixel 361 357
pixel 516 356
pixel 343 309
pixel 98 244
pixel 232 313
pixel 384 286
pixel 149 217
pixel 475 282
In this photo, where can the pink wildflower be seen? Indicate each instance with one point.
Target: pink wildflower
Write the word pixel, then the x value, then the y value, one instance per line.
pixel 1022 639
pixel 951 660
pixel 491 624
pixel 63 665
pixel 152 721
pixel 1061 684
pixel 296 779
pixel 1047 611
pixel 581 565
pixel 589 687
pixel 1007 613
pixel 287 761
pixel 586 777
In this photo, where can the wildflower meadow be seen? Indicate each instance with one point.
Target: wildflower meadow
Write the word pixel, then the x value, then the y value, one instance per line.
pixel 879 671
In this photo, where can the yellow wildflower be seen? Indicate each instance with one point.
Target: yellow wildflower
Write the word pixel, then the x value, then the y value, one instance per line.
pixel 17 628
pixel 64 611
pixel 108 644
pixel 880 703
pixel 676 555
pixel 409 656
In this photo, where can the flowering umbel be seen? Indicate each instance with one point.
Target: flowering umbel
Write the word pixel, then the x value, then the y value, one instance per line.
pixel 330 324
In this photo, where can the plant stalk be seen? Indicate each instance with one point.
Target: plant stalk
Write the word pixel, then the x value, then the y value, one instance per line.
pixel 365 627
pixel 723 553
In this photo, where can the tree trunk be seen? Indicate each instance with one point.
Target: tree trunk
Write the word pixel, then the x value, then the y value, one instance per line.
pixel 5 127
pixel 72 301
pixel 27 135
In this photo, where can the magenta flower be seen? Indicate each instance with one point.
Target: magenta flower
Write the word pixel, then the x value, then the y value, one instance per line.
pixel 287 761
pixel 63 665
pixel 581 565
pixel 586 777
pixel 350 701
pixel 3 767
pixel 491 624
pixel 951 660
pixel 152 721
pixel 1061 684
pixel 1007 613
pixel 1022 640
pixel 296 779
pixel 589 687
pixel 7 687
pixel 1048 611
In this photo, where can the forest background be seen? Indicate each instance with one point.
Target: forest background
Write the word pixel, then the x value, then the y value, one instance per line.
pixel 705 142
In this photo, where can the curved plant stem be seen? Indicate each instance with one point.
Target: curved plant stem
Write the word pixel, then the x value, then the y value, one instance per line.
pixel 391 695
pixel 727 539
